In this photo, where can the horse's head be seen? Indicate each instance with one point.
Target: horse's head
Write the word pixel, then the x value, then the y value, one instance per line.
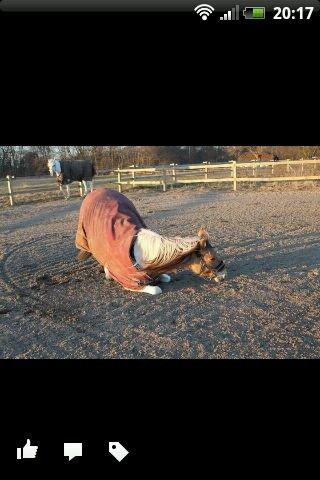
pixel 51 165
pixel 54 166
pixel 205 260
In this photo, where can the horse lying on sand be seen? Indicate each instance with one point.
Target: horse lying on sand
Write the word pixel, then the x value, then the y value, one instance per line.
pixel 69 171
pixel 112 231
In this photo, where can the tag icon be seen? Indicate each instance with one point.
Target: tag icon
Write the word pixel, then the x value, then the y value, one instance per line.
pixel 117 450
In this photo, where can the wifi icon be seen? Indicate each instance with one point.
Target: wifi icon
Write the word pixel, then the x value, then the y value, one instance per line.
pixel 204 10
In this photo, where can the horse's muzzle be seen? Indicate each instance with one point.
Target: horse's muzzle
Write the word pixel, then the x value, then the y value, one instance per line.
pixel 221 276
pixel 221 272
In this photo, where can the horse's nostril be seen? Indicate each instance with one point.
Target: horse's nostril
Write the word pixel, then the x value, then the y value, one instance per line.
pixel 221 276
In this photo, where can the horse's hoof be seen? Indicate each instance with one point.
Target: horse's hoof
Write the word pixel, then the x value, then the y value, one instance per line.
pixel 152 290
pixel 164 278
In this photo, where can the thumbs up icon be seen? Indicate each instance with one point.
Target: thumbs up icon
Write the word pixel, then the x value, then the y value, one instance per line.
pixel 28 451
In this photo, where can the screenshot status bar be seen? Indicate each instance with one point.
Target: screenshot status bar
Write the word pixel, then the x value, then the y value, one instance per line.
pixel 241 10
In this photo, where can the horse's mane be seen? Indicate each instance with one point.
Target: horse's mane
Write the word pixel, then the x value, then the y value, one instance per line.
pixel 172 252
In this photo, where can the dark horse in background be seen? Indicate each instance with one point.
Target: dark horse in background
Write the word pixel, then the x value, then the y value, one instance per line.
pixel 69 171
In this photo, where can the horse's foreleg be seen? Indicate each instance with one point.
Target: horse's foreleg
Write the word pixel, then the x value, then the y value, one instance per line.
pixel 106 271
pixel 68 192
pixel 64 191
pixel 85 187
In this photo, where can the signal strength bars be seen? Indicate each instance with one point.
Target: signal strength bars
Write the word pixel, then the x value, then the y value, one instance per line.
pixel 233 14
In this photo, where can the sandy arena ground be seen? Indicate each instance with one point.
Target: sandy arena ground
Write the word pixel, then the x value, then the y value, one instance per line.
pixel 53 307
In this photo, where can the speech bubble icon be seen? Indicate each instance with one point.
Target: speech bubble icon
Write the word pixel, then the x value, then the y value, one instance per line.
pixel 72 450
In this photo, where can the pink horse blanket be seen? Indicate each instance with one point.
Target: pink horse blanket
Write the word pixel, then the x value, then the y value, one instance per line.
pixel 108 225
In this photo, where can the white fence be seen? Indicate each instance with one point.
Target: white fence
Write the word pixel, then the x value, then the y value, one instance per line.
pixel 164 176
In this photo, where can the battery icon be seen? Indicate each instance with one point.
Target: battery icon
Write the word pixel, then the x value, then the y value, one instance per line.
pixel 253 13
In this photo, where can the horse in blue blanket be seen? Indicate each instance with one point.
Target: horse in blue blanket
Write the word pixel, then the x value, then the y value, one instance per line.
pixel 68 171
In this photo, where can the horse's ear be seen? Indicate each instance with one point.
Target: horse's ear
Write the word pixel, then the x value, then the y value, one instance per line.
pixel 204 237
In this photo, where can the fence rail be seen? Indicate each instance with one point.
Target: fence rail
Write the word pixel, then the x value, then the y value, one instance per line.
pixel 163 176
pixel 175 175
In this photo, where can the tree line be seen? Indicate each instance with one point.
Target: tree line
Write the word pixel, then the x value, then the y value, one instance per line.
pixel 32 160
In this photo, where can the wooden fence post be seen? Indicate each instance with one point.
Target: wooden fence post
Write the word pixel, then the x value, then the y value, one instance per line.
pixel 206 173
pixel 133 175
pixel 10 190
pixel 164 180
pixel 234 174
pixel 174 177
pixel 80 189
pixel 288 165
pixel 119 180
